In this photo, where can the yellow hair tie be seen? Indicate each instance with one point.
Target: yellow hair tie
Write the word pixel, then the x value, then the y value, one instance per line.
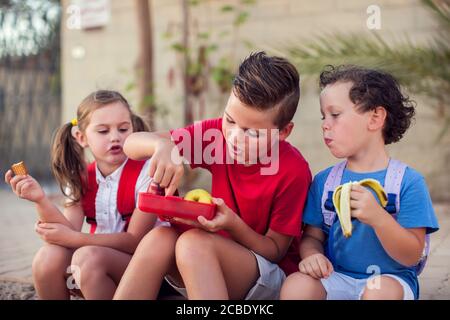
pixel 74 122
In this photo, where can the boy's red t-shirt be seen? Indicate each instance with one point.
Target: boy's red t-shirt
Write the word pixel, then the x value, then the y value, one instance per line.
pixel 262 201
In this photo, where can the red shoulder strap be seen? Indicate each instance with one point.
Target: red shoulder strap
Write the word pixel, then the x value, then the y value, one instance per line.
pixel 125 194
pixel 88 199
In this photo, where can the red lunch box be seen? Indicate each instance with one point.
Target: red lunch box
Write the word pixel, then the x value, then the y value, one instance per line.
pixel 171 206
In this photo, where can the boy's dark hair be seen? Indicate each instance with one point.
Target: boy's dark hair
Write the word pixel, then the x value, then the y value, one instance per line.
pixel 265 82
pixel 373 88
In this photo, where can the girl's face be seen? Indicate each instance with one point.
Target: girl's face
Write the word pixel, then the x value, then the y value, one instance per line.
pixel 105 135
pixel 345 130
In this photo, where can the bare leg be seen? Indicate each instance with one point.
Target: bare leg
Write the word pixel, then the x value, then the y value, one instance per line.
pixel 100 270
pixel 300 286
pixel 153 259
pixel 383 288
pixel 214 267
pixel 49 272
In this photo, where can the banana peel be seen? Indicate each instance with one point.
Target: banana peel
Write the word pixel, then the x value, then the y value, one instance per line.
pixel 341 201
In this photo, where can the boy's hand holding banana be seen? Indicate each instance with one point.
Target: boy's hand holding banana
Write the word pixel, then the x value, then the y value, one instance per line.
pixel 353 199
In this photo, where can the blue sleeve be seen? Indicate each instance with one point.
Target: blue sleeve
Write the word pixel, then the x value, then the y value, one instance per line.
pixel 416 208
pixel 312 214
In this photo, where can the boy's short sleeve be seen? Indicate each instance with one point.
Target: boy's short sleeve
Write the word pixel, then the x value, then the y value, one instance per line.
pixel 193 139
pixel 313 208
pixel 286 216
pixel 416 208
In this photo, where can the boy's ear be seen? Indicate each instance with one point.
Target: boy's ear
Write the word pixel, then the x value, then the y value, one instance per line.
pixel 286 131
pixel 79 137
pixel 377 118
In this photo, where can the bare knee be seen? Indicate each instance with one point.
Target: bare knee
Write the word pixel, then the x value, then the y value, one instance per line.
pixel 193 245
pixel 300 286
pixel 49 261
pixel 160 240
pixel 87 257
pixel 88 263
pixel 382 288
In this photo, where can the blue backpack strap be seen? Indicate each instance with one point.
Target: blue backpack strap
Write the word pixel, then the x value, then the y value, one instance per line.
pixel 392 184
pixel 333 180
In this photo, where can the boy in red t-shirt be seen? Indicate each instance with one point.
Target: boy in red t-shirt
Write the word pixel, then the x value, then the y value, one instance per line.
pixel 259 184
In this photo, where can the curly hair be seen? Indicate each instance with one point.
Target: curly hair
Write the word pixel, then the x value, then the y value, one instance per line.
pixel 373 88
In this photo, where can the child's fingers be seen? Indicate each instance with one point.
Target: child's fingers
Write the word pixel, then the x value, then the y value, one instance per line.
pixel 25 186
pixel 356 195
pixel 208 224
pixel 15 180
pixel 357 188
pixel 41 231
pixel 8 176
pixel 330 267
pixel 152 169
pixel 354 204
pixel 175 181
pixel 323 267
pixel 20 186
pixel 159 173
pixel 302 268
pixel 311 272
pixel 187 221
pixel 169 172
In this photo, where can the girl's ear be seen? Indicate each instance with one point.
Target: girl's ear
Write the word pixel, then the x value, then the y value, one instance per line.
pixel 79 136
pixel 377 118
pixel 286 131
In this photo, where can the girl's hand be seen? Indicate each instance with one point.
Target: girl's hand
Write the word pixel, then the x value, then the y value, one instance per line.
pixel 57 233
pixel 316 265
pixel 364 206
pixel 25 187
pixel 224 219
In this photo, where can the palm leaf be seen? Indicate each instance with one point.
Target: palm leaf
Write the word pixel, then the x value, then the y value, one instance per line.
pixel 423 68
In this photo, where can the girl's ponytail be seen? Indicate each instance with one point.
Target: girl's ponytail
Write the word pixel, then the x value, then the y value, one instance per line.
pixel 68 163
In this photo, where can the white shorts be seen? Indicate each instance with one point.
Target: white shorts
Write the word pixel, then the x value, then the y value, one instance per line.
pixel 267 287
pixel 342 287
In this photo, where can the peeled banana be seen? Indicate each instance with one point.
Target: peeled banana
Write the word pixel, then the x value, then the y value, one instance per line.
pixel 341 201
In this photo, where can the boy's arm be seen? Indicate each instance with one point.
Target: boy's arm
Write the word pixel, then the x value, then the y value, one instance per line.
pixel 142 145
pixel 312 242
pixel 272 246
pixel 403 245
pixel 166 166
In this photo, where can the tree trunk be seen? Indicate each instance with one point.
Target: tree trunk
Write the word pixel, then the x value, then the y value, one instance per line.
pixel 144 68
pixel 188 117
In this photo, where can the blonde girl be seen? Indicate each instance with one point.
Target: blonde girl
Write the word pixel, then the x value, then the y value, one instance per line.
pixel 99 192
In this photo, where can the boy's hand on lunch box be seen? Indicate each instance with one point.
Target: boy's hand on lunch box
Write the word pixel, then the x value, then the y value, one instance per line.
pixel 223 220
pixel 316 265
